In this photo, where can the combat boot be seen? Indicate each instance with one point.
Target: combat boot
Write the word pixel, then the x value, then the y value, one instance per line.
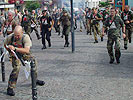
pixel 130 40
pixel 125 46
pixel 10 91
pixel 111 60
pixel 44 47
pixel 101 38
pixel 96 41
pixel 117 60
pixel 40 83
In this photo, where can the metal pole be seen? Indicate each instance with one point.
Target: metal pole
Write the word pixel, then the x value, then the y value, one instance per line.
pixel 72 28
pixel 2 65
pixel 33 79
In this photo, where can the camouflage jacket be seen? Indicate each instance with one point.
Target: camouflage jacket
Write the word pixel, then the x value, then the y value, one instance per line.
pixel 113 25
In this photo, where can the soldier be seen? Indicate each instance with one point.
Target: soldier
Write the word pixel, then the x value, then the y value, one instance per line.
pixel 105 16
pixel 114 24
pixel 26 22
pixel 88 15
pixel 17 17
pixel 45 28
pixel 8 25
pixel 34 24
pixel 2 19
pixel 95 19
pixel 127 17
pixel 66 23
pixel 20 43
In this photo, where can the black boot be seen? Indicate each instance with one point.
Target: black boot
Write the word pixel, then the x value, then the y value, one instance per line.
pixel 44 47
pixel 117 60
pixel 101 38
pixel 125 46
pixel 40 83
pixel 96 41
pixel 67 45
pixel 111 60
pixel 10 92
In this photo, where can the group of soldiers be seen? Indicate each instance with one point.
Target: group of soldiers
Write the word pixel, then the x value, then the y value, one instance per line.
pixel 21 41
pixel 113 20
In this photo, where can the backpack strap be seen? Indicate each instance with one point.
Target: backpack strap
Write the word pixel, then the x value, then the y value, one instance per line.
pixel 22 40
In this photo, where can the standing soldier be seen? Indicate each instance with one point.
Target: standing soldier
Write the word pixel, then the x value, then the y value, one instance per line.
pixel 127 17
pixel 88 15
pixel 26 22
pixel 45 28
pixel 95 19
pixel 114 24
pixel 34 24
pixel 21 44
pixel 9 24
pixel 66 23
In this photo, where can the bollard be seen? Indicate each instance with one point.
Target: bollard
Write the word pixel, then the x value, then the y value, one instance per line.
pixel 33 79
pixel 2 66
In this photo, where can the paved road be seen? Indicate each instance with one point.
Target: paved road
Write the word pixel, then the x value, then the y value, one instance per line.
pixel 83 75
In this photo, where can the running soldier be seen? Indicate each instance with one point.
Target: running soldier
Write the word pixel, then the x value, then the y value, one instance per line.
pixel 95 19
pixel 21 44
pixel 127 17
pixel 114 24
pixel 66 23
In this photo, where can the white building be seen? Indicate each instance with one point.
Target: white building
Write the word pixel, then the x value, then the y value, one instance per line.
pixel 92 3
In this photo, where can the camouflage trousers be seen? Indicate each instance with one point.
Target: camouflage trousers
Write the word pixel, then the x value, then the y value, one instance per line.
pixel 128 35
pixel 27 30
pixel 88 25
pixel 110 44
pixel 16 64
pixel 97 30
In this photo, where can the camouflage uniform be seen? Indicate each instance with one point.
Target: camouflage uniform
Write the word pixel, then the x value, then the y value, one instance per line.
pixel 88 26
pixel 114 36
pixel 96 26
pixel 66 27
pixel 34 26
pixel 26 23
pixel 127 16
pixel 15 62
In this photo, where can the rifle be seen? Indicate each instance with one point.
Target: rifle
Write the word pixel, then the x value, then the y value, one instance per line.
pixel 17 55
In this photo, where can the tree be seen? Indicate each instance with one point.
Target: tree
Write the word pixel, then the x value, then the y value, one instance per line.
pixel 103 4
pixel 32 5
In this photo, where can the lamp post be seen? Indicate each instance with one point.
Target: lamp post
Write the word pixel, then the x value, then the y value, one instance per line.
pixel 72 28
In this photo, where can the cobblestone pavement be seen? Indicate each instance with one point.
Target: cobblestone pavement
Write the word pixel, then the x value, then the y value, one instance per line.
pixel 83 75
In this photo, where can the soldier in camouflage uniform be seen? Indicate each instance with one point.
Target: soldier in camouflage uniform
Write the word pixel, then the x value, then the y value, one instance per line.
pixel 34 24
pixel 95 19
pixel 26 22
pixel 65 19
pixel 21 44
pixel 127 17
pixel 114 24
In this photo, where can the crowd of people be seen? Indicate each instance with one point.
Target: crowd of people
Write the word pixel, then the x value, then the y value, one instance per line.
pixel 17 29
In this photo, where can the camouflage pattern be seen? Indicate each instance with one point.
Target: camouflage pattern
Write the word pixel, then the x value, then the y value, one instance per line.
pixel 114 36
pixel 96 25
pixel 26 23
pixel 127 16
pixel 16 64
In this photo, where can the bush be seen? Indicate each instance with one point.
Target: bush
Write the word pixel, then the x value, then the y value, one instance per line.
pixel 103 4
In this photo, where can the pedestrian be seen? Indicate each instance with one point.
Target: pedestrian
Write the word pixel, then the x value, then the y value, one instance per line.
pixel 127 17
pixel 45 28
pixel 21 44
pixel 114 23
pixel 66 24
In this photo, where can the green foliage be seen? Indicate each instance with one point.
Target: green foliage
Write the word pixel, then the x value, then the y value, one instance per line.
pixel 103 4
pixel 30 5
